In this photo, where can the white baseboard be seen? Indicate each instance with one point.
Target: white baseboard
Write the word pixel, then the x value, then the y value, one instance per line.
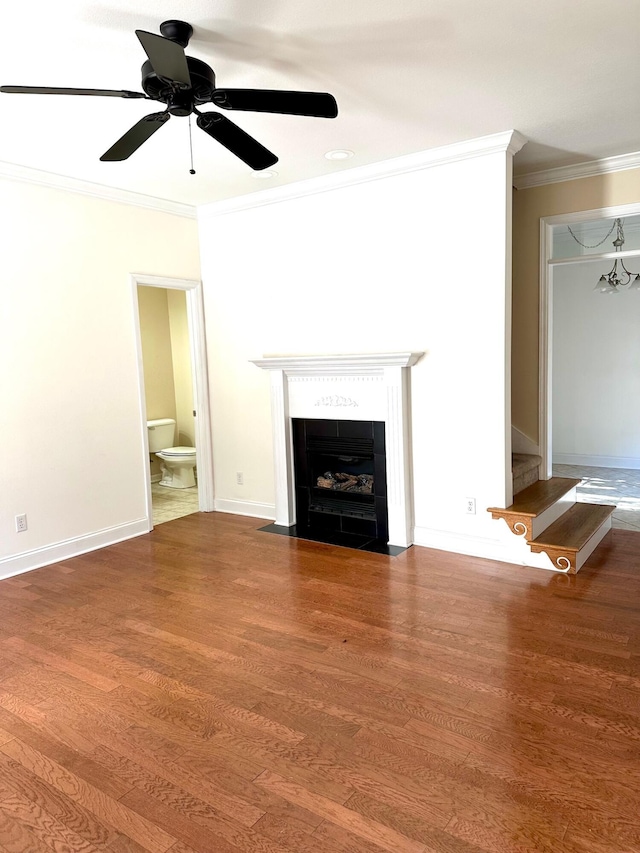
pixel 510 549
pixel 521 443
pixel 29 560
pixel 250 508
pixel 155 478
pixel 597 461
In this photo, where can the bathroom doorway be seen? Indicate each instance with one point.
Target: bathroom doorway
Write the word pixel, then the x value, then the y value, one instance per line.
pixel 173 392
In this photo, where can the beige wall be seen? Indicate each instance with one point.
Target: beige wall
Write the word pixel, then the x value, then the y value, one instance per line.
pixel 181 362
pixel 529 205
pixel 73 417
pixel 157 359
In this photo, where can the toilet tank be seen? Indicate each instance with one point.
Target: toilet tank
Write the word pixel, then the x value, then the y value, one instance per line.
pixel 161 433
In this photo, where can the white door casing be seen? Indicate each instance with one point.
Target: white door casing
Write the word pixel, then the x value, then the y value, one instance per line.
pixel 197 344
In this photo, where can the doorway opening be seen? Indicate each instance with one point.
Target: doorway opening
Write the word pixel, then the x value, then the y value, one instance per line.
pixel 174 400
pixel 589 350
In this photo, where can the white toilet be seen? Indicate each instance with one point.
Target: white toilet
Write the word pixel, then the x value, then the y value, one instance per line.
pixel 178 463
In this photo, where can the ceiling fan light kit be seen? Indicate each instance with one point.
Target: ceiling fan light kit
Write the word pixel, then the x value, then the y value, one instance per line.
pixel 184 84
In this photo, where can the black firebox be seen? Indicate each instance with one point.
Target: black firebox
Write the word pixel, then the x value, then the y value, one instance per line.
pixel 341 480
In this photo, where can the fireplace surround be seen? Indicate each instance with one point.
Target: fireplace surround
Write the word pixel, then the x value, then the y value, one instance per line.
pixel 372 387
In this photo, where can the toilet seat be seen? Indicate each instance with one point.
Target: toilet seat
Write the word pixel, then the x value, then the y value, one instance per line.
pixel 178 451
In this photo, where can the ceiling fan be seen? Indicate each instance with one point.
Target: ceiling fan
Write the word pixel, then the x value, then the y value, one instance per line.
pixel 184 84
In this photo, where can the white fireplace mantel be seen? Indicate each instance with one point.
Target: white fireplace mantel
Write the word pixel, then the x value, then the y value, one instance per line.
pixel 343 363
pixel 370 386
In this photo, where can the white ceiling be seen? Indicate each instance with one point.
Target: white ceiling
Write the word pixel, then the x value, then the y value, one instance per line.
pixel 408 75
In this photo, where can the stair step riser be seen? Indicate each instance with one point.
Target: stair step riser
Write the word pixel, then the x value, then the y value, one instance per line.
pixel 592 544
pixel 540 523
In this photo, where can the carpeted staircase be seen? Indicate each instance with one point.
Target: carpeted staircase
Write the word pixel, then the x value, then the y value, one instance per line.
pixel 525 470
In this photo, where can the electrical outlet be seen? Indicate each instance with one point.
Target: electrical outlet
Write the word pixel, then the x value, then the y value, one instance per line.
pixel 239 478
pixel 21 523
pixel 470 506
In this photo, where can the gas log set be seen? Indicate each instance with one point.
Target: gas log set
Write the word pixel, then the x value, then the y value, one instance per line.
pixel 341 482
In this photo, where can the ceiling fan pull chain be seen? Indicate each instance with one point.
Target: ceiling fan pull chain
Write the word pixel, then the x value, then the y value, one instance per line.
pixel 192 171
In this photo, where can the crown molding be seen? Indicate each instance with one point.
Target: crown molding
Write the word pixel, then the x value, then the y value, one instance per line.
pixel 25 174
pixel 620 163
pixel 509 142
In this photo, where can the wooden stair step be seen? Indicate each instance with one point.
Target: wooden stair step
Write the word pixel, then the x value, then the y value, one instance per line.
pixel 575 526
pixel 537 506
pixel 541 495
pixel 571 539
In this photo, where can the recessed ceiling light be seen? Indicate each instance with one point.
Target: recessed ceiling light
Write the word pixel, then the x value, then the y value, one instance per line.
pixel 265 173
pixel 339 154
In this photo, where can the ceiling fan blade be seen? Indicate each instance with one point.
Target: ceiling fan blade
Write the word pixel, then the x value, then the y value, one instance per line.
pixel 47 90
pixel 237 141
pixel 167 58
pixel 135 136
pixel 318 104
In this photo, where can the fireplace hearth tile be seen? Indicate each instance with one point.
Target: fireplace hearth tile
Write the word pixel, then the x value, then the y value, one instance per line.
pixel 335 537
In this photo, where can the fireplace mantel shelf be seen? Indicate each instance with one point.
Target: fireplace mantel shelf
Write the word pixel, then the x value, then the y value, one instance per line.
pixel 320 363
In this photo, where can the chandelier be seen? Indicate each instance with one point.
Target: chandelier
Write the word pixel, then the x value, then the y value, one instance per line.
pixel 619 276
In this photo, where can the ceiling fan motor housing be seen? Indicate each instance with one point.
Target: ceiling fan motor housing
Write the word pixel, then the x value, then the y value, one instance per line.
pixel 203 84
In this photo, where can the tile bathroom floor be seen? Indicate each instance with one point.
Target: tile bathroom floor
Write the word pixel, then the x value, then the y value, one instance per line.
pixel 619 486
pixel 172 503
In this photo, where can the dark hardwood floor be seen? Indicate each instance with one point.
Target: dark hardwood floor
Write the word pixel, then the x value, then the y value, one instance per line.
pixel 209 687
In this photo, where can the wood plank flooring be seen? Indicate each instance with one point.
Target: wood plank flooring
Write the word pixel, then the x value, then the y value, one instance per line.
pixel 210 688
